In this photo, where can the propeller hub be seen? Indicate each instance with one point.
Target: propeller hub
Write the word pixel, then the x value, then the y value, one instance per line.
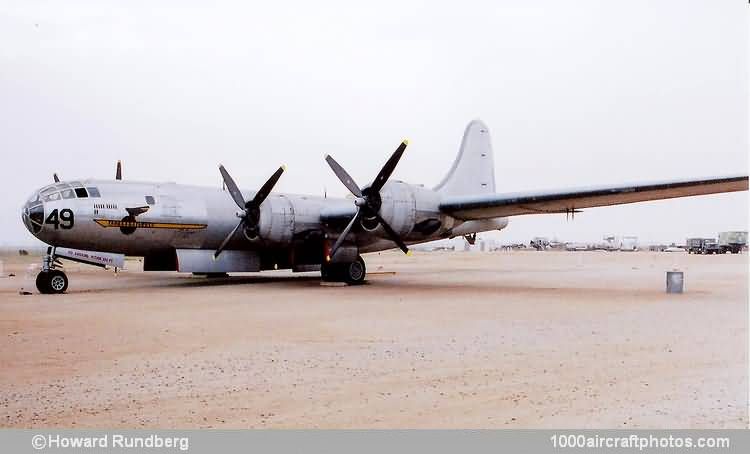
pixel 252 215
pixel 372 199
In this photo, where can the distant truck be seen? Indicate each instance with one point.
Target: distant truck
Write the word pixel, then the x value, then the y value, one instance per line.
pixel 694 245
pixel 702 246
pixel 732 242
pixel 629 243
pixel 711 246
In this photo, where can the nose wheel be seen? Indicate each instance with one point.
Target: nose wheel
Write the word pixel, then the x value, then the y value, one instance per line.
pixel 51 281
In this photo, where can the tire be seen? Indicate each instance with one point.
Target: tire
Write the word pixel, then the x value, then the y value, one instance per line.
pixel 57 282
pixel 42 282
pixel 330 272
pixel 354 272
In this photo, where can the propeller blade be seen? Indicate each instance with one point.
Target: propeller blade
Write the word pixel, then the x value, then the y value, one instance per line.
pixel 392 234
pixel 263 192
pixel 343 235
pixel 56 178
pixel 234 191
pixel 344 176
pixel 389 167
pixel 226 240
pixel 118 172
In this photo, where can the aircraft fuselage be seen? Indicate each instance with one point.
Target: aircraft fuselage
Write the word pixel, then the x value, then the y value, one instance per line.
pixel 141 218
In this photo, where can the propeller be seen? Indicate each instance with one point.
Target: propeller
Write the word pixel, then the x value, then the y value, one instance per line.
pixel 250 214
pixel 56 178
pixel 368 200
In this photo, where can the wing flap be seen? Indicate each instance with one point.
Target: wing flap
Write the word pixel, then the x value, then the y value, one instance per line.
pixel 543 202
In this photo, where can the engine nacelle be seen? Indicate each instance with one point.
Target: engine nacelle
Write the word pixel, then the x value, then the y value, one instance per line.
pixel 276 220
pixel 398 208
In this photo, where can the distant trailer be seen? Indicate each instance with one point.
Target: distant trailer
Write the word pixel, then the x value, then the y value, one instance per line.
pixel 732 242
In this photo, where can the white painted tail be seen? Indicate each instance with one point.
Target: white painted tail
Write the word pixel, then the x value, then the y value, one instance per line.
pixel 473 171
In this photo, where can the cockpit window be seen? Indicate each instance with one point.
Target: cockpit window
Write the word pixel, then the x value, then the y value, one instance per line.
pixel 81 193
pixel 46 190
pixel 51 197
pixel 68 194
pixel 93 192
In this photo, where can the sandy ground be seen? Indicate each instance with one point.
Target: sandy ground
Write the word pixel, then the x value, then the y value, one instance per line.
pixel 451 340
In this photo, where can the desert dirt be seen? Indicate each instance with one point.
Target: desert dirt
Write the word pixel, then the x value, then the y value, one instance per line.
pixel 435 340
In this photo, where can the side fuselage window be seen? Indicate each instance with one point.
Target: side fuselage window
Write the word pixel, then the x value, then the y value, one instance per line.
pixel 150 200
pixel 81 193
pixel 93 192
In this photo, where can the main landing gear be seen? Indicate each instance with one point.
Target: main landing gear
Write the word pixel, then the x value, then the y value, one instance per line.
pixel 51 280
pixel 349 272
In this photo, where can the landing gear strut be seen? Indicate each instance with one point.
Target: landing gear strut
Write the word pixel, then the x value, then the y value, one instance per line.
pixel 51 280
pixel 349 272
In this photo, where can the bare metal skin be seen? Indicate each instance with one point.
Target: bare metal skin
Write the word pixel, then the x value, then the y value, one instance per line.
pixel 211 230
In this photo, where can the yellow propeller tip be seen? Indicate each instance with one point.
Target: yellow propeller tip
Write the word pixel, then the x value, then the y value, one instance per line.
pixel 283 167
pixel 406 141
pixel 408 252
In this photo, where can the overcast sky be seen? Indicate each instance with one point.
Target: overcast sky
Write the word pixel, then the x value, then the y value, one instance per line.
pixel 575 93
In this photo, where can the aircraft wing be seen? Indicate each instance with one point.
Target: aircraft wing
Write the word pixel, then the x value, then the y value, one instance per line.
pixel 338 214
pixel 571 200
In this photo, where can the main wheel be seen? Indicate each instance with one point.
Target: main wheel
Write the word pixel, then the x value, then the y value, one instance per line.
pixel 331 272
pixel 53 281
pixel 354 272
pixel 351 273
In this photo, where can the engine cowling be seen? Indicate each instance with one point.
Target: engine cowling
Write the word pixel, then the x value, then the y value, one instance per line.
pixel 398 209
pixel 276 220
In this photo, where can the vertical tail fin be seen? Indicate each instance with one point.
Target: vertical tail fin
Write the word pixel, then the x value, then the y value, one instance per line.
pixel 473 171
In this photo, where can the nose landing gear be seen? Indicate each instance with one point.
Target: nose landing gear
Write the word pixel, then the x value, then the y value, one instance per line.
pixel 51 280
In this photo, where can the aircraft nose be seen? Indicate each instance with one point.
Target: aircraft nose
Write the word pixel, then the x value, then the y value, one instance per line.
pixel 32 215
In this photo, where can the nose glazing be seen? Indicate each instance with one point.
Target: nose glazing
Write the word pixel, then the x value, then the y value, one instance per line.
pixel 32 214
